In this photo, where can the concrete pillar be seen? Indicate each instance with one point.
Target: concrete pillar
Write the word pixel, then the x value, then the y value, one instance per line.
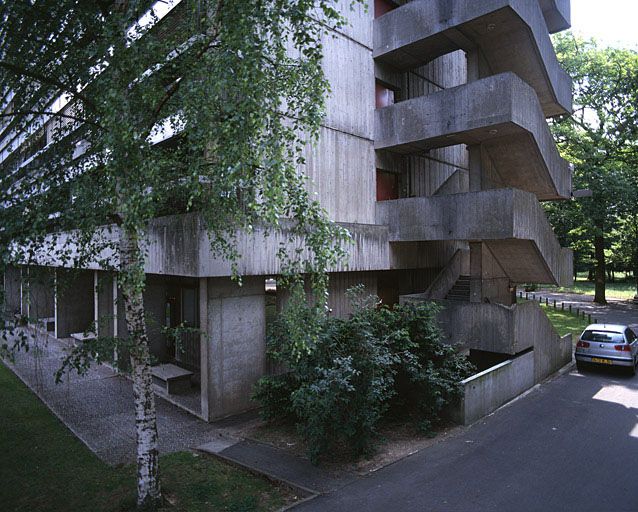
pixel 104 300
pixel 476 272
pixel 235 333
pixel 204 347
pixel 476 168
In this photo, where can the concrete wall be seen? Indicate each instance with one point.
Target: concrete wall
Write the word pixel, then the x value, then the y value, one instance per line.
pixel 501 112
pixel 518 41
pixel 340 282
pixel 74 302
pixel 511 222
pixel 551 352
pixel 236 329
pixel 486 391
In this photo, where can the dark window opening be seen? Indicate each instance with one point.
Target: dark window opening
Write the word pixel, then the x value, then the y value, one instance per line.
pixel 383 6
pixel 387 185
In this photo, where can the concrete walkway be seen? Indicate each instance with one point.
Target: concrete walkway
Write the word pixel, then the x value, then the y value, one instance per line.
pixel 98 407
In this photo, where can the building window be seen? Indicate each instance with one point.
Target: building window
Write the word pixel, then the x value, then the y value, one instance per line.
pixel 384 96
pixel 387 185
pixel 383 6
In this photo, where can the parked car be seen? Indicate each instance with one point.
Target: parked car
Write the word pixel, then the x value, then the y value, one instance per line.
pixel 607 345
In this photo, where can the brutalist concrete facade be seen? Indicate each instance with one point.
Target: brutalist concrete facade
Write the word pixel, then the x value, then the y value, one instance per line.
pixel 434 154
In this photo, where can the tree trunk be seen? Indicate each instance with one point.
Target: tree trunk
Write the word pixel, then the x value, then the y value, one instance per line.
pixel 599 255
pixel 132 283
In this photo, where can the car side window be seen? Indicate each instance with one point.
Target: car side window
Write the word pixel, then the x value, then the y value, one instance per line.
pixel 631 336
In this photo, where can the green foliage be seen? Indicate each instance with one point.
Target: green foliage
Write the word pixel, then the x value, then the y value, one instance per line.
pixel 358 370
pixel 601 140
pixel 46 468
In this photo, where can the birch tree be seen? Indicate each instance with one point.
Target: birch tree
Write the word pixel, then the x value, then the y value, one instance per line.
pixel 207 110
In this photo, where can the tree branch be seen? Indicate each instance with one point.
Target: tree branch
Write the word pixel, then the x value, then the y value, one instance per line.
pixel 19 70
pixel 53 114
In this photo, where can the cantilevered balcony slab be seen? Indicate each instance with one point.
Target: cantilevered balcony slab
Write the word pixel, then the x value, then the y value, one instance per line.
pixel 500 112
pixel 510 35
pixel 557 14
pixel 510 222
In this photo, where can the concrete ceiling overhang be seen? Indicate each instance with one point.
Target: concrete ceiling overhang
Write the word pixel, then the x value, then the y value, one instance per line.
pixel 557 14
pixel 511 35
pixel 501 113
pixel 511 222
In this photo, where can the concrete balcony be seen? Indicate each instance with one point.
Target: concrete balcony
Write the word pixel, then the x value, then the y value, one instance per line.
pixel 510 35
pixel 501 113
pixel 557 14
pixel 510 222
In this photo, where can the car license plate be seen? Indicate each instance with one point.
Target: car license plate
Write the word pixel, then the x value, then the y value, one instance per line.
pixel 601 361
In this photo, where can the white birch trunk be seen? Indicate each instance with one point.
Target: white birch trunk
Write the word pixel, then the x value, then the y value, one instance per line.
pixel 148 486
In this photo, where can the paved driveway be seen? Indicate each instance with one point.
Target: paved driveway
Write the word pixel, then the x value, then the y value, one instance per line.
pixel 570 445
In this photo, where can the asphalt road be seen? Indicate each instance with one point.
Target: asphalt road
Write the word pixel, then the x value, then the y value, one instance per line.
pixel 569 445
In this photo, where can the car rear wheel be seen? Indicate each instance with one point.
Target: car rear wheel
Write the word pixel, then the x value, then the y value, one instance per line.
pixel 580 366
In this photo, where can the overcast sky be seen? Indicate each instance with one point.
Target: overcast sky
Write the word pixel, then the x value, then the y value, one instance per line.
pixel 611 22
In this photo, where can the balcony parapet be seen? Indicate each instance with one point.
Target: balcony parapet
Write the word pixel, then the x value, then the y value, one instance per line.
pixel 557 14
pixel 511 35
pixel 501 113
pixel 510 222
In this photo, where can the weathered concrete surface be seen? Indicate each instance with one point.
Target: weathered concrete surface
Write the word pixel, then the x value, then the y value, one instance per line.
pixel 236 332
pixel 179 245
pixel 501 113
pixel 557 14
pixel 486 391
pixel 511 35
pixel 511 223
pixel 492 327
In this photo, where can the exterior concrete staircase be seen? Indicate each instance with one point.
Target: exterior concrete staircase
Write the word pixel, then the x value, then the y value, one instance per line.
pixel 461 290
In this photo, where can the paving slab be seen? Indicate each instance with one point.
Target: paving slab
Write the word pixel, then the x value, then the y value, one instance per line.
pixel 280 465
pixel 98 407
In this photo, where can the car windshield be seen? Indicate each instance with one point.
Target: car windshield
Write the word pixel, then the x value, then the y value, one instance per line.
pixel 603 336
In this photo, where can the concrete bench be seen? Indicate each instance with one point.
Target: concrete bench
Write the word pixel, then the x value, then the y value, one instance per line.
pixel 174 379
pixel 83 336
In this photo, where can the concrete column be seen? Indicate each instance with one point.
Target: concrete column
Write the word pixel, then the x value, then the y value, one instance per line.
pixel 476 272
pixel 236 328
pixel 96 317
pixel 472 65
pixel 204 347
pixel 476 168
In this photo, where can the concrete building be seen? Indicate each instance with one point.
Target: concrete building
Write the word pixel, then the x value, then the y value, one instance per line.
pixel 434 154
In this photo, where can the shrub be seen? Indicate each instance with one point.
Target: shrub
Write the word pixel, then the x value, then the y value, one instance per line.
pixel 354 371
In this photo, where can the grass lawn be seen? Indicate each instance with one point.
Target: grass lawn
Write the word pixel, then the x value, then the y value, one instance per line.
pixel 617 290
pixel 45 467
pixel 564 322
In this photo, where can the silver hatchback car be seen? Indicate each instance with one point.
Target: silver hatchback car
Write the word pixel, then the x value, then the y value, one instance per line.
pixel 609 345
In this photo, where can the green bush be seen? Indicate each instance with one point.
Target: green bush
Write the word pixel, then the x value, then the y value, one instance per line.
pixel 354 372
